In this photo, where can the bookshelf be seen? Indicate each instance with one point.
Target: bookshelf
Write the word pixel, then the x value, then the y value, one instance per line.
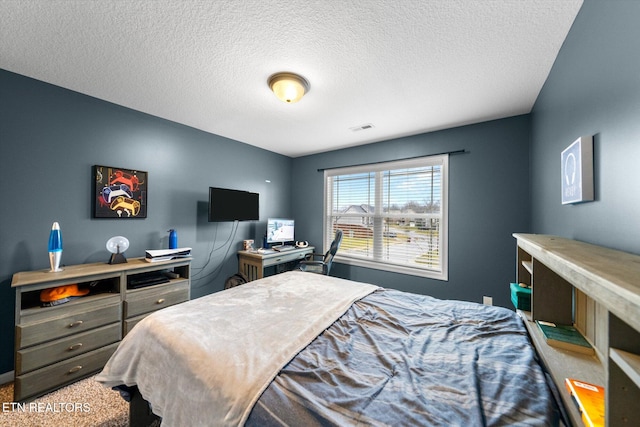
pixel 598 290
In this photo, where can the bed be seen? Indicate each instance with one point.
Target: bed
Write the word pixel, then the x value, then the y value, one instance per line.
pixel 305 349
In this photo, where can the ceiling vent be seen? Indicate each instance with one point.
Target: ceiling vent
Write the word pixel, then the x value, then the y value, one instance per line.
pixel 362 127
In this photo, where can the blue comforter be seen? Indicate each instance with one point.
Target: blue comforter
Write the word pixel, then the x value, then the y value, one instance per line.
pixel 403 359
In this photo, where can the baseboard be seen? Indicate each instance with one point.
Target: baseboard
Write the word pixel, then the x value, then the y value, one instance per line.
pixel 7 377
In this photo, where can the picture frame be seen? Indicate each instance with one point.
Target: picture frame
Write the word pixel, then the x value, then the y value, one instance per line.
pixel 577 171
pixel 119 193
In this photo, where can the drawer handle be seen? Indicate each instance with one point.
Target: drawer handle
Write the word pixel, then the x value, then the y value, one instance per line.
pixel 76 323
pixel 160 301
pixel 75 346
pixel 75 369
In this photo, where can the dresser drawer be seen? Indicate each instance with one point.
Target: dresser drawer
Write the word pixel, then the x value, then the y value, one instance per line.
pixel 131 322
pixel 284 258
pixel 78 318
pixel 42 380
pixel 151 299
pixel 64 348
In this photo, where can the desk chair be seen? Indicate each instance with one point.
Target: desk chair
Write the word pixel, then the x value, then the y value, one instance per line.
pixel 322 266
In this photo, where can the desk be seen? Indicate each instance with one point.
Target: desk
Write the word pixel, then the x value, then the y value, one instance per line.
pixel 252 264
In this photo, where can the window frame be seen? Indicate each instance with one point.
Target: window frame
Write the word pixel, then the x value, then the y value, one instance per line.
pixel 440 159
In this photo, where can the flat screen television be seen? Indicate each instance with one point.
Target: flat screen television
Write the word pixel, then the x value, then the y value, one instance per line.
pixel 280 231
pixel 233 205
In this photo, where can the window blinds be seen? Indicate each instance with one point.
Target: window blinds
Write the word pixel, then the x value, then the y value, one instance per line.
pixel 392 214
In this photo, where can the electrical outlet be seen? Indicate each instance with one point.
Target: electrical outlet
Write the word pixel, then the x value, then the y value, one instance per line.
pixel 487 300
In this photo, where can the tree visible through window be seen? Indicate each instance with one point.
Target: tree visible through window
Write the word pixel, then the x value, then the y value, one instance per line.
pixel 393 215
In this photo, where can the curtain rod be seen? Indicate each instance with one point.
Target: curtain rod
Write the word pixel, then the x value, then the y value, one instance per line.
pixel 396 160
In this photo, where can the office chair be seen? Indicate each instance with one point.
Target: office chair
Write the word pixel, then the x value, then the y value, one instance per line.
pixel 322 266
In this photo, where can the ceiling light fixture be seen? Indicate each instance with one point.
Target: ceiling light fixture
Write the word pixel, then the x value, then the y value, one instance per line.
pixel 288 87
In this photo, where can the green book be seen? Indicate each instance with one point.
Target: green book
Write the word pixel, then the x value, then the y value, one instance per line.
pixel 564 336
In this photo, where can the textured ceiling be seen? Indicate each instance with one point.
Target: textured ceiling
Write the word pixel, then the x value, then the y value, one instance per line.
pixel 403 66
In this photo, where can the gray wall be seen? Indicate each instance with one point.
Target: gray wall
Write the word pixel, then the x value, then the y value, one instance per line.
pixel 488 201
pixel 51 137
pixel 593 89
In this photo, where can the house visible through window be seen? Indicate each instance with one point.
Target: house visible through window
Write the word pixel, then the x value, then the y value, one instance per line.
pixel 393 215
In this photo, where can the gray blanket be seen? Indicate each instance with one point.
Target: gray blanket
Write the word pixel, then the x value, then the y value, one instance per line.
pixel 205 362
pixel 402 359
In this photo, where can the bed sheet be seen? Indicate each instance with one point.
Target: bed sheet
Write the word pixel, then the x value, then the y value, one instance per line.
pixel 403 359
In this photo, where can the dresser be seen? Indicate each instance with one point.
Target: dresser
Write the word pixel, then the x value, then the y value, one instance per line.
pixel 58 345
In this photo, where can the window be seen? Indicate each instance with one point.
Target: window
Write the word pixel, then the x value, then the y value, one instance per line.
pixel 393 215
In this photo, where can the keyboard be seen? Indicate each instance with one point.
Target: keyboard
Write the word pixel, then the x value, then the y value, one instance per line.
pixel 283 248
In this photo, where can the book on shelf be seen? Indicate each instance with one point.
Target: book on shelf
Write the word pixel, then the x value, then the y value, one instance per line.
pixel 590 401
pixel 564 336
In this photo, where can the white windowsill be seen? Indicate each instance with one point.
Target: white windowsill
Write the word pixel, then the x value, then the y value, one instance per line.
pixel 392 268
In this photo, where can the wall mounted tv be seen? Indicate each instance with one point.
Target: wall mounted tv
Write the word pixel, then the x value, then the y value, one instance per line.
pixel 233 205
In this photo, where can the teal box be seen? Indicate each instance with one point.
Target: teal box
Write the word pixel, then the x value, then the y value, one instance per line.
pixel 521 297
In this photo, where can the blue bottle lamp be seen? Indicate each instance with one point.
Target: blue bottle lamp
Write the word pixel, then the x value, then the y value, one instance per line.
pixel 55 247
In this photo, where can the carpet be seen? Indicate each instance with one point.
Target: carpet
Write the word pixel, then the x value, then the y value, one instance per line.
pixel 85 403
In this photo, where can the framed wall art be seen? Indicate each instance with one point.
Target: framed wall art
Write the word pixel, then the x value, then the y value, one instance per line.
pixel 577 171
pixel 119 193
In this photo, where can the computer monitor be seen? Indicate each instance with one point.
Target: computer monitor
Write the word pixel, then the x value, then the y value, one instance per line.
pixel 280 231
